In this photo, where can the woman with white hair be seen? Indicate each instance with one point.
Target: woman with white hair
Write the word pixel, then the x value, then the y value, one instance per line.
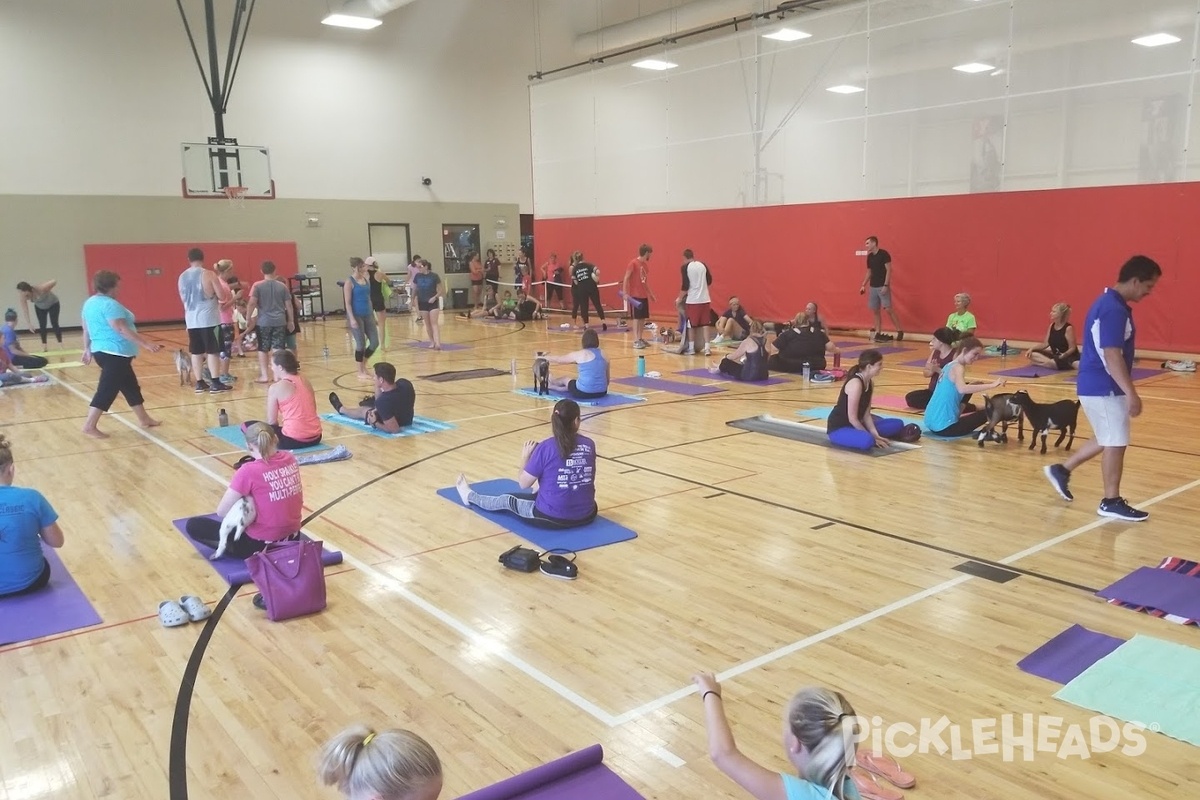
pixel 962 321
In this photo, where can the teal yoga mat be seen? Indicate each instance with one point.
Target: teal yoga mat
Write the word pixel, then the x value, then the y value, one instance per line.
pixel 610 399
pixel 232 435
pixel 1146 680
pixel 420 425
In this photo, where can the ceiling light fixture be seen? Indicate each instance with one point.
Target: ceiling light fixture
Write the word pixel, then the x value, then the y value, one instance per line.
pixel 787 35
pixel 1156 39
pixel 974 67
pixel 655 64
pixel 349 21
pixel 845 89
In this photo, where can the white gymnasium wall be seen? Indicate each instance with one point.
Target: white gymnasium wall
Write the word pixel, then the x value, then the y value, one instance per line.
pixel 748 121
pixel 98 97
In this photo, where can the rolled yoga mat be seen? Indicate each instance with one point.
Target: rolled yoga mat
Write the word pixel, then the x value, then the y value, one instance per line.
pixel 674 387
pixel 810 434
pixel 463 375
pixel 234 570
pixel 58 608
pixel 1066 656
pixel 579 776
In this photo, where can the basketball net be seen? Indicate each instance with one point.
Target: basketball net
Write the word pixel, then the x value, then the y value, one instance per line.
pixel 236 195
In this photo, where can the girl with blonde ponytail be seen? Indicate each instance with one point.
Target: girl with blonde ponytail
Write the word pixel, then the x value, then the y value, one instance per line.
pixel 387 765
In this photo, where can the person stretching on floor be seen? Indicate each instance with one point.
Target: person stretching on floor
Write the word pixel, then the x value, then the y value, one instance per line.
pixel 27 522
pixel 11 375
pixel 734 323
pixel 12 345
pixel 592 369
pixel 528 307
pixel 962 321
pixel 564 469
pixel 291 405
pixel 272 479
pixel 1059 350
pixel 851 423
pixel 749 361
pixel 392 408
pixel 392 764
pixel 942 415
pixel 941 352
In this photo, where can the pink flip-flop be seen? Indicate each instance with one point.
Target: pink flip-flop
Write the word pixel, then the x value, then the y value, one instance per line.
pixel 887 768
pixel 870 788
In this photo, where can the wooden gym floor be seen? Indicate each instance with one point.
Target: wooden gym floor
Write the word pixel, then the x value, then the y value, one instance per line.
pixel 777 563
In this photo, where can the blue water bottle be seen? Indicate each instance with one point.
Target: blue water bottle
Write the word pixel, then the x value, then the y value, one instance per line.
pixel 641 366
pixel 1004 347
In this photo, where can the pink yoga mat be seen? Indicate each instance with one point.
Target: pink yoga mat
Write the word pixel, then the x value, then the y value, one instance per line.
pixel 892 403
pixel 578 776
pixel 234 570
pixel 58 608
pixel 1066 656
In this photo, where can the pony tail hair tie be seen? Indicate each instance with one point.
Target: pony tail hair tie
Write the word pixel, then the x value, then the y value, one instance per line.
pixel 367 740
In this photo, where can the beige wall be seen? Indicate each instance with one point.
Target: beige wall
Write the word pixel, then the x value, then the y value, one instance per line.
pixel 42 237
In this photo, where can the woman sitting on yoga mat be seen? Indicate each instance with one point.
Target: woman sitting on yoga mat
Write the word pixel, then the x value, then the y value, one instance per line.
pixel 851 423
pixel 272 479
pixel 749 361
pixel 291 404
pixel 941 352
pixel 564 469
pixel 1060 350
pixel 592 367
pixel 27 522
pixel 12 345
pixel 394 764
pixel 942 415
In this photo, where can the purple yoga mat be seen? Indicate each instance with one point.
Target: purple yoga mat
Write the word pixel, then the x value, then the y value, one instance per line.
pixel 918 362
pixel 578 776
pixel 703 373
pixel 1066 656
pixel 428 345
pixel 1162 589
pixel 675 387
pixel 234 570
pixel 58 608
pixel 1026 371
pixel 1137 373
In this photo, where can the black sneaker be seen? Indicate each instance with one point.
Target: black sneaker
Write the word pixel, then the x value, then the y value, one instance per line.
pixel 560 567
pixel 899 336
pixel 259 602
pixel 883 337
pixel 201 387
pixel 1117 508
pixel 216 387
pixel 335 401
pixel 604 326
pixel 1059 476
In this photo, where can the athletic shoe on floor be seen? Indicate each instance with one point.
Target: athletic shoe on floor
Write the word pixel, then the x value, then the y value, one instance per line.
pixel 707 350
pixel 335 401
pixel 1059 476
pixel 1180 366
pixel 640 344
pixel 720 337
pixel 883 337
pixel 899 336
pixel 201 387
pixel 603 326
pixel 560 567
pixel 1117 508
pixel 216 387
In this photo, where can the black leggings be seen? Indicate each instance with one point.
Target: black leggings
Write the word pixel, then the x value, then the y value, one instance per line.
pixel 29 362
pixel 553 292
pixel 40 582
pixel 967 423
pixel 116 377
pixel 780 363
pixel 582 294
pixel 737 370
pixel 285 442
pixel 52 314
pixel 207 531
pixel 579 394
pixel 920 398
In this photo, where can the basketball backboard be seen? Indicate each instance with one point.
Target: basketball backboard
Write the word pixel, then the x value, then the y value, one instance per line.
pixel 209 168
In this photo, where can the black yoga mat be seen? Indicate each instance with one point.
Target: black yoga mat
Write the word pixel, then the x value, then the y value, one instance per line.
pixel 463 375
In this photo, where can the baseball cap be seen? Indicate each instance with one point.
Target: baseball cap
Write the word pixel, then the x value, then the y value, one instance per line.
pixel 371 262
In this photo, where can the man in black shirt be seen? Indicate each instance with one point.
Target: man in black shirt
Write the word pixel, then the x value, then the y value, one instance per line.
pixel 796 346
pixel 393 406
pixel 879 276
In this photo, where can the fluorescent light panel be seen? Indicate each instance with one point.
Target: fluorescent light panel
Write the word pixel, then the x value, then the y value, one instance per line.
pixel 787 35
pixel 655 64
pixel 1156 39
pixel 974 67
pixel 845 89
pixel 348 21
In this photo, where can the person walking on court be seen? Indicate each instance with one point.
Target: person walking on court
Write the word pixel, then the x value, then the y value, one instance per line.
pixel 45 303
pixel 636 289
pixel 391 764
pixel 271 298
pixel 584 289
pixel 391 409
pixel 1105 386
pixel 697 303
pixel 879 276
pixel 111 340
pixel 201 294
pixel 430 289
pixel 356 291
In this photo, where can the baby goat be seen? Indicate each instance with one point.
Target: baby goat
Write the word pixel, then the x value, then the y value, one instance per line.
pixel 1045 417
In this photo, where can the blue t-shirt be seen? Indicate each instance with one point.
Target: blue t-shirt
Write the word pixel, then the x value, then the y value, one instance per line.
pixel 800 789
pixel 98 314
pixel 945 405
pixel 10 338
pixel 426 284
pixel 566 488
pixel 1109 324
pixel 593 375
pixel 23 514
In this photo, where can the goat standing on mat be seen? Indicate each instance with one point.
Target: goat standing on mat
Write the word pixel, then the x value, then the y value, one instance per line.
pixel 1044 417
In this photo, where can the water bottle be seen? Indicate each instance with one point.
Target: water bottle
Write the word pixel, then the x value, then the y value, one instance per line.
pixel 222 419
pixel 325 352
pixel 807 371
pixel 837 360
pixel 1004 347
pixel 641 366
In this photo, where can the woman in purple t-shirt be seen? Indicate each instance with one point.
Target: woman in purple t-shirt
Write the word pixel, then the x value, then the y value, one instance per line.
pixel 564 469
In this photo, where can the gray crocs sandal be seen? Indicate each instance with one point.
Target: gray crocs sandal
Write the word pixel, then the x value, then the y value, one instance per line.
pixel 171 614
pixel 195 608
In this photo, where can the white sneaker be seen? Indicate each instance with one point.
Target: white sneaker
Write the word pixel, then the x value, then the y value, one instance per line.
pixel 1180 366
pixel 720 337
pixel 707 350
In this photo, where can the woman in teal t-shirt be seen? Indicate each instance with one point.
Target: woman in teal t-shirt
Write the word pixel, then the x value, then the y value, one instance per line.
pixel 27 522
pixel 943 415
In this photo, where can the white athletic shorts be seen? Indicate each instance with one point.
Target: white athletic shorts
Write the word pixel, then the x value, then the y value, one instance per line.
pixel 1109 417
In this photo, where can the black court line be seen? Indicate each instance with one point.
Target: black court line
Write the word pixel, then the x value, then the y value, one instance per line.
pixel 711 496
pixel 627 471
pixel 822 525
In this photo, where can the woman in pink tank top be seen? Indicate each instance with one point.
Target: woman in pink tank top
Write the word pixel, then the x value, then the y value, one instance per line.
pixel 291 404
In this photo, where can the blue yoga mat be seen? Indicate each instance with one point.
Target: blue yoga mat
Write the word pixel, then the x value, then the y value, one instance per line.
pixel 609 399
pixel 232 434
pixel 823 412
pixel 419 425
pixel 597 534
pixel 58 608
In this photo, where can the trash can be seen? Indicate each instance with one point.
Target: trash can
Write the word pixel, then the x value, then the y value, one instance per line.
pixel 458 298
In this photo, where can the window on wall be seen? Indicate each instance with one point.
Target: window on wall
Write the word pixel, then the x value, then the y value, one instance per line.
pixel 459 241
pixel 390 244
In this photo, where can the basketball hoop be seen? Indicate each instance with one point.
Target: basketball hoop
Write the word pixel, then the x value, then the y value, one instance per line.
pixel 236 195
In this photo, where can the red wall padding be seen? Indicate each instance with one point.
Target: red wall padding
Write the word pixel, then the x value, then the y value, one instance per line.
pixel 150 272
pixel 1016 253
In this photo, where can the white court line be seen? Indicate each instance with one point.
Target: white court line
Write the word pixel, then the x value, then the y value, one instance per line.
pixel 667 756
pixel 482 641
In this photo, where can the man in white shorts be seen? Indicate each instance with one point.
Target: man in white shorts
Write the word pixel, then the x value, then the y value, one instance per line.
pixel 1105 387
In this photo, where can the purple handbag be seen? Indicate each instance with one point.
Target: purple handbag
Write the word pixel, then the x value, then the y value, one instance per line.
pixel 291 578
